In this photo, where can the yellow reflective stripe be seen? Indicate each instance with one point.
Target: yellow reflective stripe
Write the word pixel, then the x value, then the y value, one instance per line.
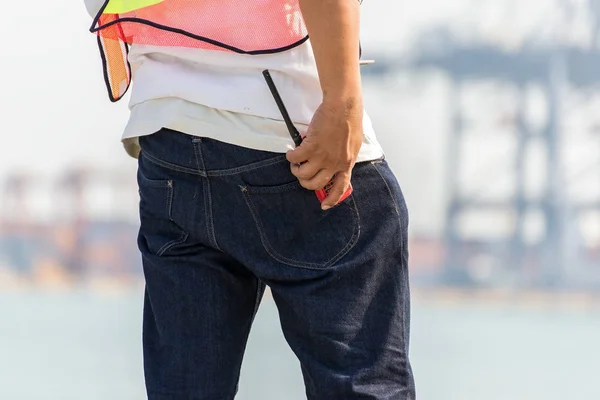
pixel 124 6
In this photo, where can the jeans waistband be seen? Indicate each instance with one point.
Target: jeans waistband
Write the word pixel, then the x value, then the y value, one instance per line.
pixel 203 156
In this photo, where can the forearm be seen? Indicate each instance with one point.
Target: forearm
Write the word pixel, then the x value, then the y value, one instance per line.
pixel 333 27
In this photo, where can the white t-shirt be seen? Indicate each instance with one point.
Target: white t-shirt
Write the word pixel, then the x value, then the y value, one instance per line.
pixel 223 95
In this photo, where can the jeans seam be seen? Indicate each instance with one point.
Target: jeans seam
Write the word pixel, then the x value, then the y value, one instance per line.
pixel 210 222
pixel 171 166
pixel 169 185
pixel 210 227
pixel 404 272
pixel 293 263
pixel 170 199
pixel 374 163
pixel 404 338
pixel 394 201
pixel 219 172
pixel 260 290
pixel 172 243
pixel 246 168
pixel 285 188
pixel 257 302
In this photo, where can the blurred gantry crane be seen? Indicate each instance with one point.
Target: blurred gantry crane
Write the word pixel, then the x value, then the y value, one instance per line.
pixel 559 258
pixel 550 258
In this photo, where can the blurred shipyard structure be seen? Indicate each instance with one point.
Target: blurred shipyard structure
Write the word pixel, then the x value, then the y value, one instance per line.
pixel 521 179
pixel 543 231
pixel 51 232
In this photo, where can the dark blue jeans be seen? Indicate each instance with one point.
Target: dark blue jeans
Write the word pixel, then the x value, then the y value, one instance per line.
pixel 219 222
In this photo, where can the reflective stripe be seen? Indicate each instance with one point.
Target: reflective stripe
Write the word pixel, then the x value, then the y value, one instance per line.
pixel 124 6
pixel 117 73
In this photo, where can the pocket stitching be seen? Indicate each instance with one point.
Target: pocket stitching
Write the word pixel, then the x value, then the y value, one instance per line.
pixel 172 243
pixel 170 199
pixel 162 184
pixel 158 183
pixel 294 263
pixel 166 184
pixel 248 167
pixel 168 165
pixel 286 187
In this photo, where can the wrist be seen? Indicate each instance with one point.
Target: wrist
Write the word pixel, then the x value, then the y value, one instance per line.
pixel 345 83
pixel 349 101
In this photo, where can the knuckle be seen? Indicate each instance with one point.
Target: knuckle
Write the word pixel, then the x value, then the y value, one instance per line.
pixel 324 180
pixel 304 173
pixel 300 174
pixel 307 184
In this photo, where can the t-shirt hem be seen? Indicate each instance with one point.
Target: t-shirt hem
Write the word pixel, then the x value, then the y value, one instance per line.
pixel 231 135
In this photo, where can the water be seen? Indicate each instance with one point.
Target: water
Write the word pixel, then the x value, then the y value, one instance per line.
pixel 80 345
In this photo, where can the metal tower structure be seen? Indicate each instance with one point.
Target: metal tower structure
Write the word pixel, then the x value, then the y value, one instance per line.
pixel 550 261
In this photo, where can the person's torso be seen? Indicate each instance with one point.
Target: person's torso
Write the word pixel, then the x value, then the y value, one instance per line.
pixel 228 81
pixel 206 90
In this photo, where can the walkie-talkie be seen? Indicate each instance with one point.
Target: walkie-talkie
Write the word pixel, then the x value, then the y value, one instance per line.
pixel 297 138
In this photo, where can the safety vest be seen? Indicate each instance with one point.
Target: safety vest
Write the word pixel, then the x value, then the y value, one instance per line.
pixel 241 26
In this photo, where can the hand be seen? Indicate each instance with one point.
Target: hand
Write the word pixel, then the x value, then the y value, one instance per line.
pixel 330 147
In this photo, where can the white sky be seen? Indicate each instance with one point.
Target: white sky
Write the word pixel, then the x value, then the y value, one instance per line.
pixel 55 108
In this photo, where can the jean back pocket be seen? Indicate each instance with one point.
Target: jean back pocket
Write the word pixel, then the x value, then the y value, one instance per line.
pixel 295 231
pixel 158 232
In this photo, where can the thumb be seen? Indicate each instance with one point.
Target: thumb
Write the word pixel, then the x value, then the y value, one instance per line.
pixel 340 185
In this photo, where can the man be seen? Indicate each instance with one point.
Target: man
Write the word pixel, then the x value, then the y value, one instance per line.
pixel 227 204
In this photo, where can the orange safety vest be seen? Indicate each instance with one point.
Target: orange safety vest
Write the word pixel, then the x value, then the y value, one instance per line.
pixel 256 27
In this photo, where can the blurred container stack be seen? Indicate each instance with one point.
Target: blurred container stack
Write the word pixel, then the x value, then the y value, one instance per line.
pixel 75 229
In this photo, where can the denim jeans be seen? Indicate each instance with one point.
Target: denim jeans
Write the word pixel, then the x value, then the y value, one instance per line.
pixel 219 222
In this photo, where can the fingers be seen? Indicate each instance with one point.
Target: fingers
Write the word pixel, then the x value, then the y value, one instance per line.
pixel 340 185
pixel 299 154
pixel 305 171
pixel 319 181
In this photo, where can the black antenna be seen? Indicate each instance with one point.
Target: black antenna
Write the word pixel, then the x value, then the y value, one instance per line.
pixel 286 117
